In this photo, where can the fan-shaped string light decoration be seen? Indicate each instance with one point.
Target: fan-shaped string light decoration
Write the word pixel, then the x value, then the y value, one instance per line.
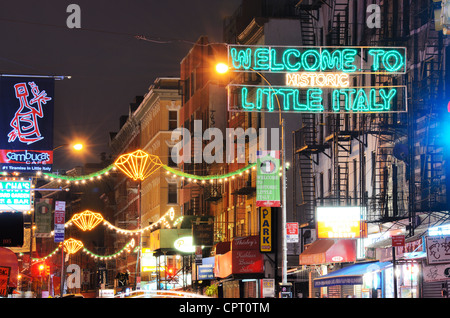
pixel 127 248
pixel 87 220
pixel 138 165
pixel 72 245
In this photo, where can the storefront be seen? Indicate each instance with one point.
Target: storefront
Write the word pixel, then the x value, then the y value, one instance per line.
pixel 325 255
pixel 436 265
pixel 408 266
pixel 173 252
pixel 240 269
pixel 360 280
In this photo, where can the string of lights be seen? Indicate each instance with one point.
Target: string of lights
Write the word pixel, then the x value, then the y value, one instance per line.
pixel 73 246
pixel 87 220
pixel 139 165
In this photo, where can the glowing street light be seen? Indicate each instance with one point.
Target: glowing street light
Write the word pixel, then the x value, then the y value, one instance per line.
pixel 221 68
pixel 78 147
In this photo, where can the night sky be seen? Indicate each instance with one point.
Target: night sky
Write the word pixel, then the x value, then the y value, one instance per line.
pixel 108 65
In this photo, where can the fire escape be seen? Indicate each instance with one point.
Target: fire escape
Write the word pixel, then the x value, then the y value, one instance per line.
pixel 427 175
pixel 306 141
pixel 388 201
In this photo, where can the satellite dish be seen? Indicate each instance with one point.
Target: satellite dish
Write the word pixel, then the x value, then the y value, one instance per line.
pixel 401 152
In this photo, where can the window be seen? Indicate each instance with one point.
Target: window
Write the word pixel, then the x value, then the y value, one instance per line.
pixel 173 119
pixel 321 188
pixel 170 160
pixel 172 193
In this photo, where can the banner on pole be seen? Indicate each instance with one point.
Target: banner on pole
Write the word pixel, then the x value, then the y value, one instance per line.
pixel 43 217
pixel 268 179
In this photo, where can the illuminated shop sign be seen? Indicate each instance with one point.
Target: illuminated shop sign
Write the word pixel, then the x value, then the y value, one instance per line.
pixel 184 244
pixel 341 222
pixel 439 230
pixel 375 60
pixel 15 196
pixel 26 123
pixel 256 98
pixel 317 79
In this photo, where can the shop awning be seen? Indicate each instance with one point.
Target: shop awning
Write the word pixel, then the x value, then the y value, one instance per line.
pixel 324 251
pixel 350 275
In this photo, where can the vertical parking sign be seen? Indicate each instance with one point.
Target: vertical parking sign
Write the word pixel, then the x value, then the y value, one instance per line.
pixel 266 238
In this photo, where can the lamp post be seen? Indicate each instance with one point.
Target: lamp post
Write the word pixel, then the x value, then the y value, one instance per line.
pixel 223 68
pixel 77 146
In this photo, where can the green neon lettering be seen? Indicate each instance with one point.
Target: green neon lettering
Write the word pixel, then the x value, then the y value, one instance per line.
pixel 346 93
pixel 306 64
pixel 262 59
pixel 287 94
pixel 241 58
pixel 348 58
pixel 398 61
pixel 267 101
pixel 314 99
pixel 297 106
pixel 373 97
pixel 287 60
pixel 335 101
pixel 274 66
pixel 291 99
pixel 387 98
pixel 376 53
pixel 244 96
pixel 331 61
pixel 360 102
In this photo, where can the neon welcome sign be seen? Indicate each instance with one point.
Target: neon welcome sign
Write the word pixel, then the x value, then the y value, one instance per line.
pixel 316 74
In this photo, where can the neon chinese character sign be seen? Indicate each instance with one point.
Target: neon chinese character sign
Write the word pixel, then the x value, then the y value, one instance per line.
pixel 317 79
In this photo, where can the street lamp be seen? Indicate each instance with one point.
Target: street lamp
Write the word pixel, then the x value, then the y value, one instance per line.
pixel 76 146
pixel 223 68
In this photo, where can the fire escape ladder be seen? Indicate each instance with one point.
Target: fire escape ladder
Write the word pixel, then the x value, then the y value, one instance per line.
pixel 342 149
pixel 431 83
pixel 338 27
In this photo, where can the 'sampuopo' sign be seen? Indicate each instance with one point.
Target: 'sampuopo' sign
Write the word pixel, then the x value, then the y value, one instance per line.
pixel 26 123
pixel 314 75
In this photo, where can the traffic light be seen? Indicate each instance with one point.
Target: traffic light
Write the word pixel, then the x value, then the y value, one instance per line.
pixel 170 272
pixel 40 269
